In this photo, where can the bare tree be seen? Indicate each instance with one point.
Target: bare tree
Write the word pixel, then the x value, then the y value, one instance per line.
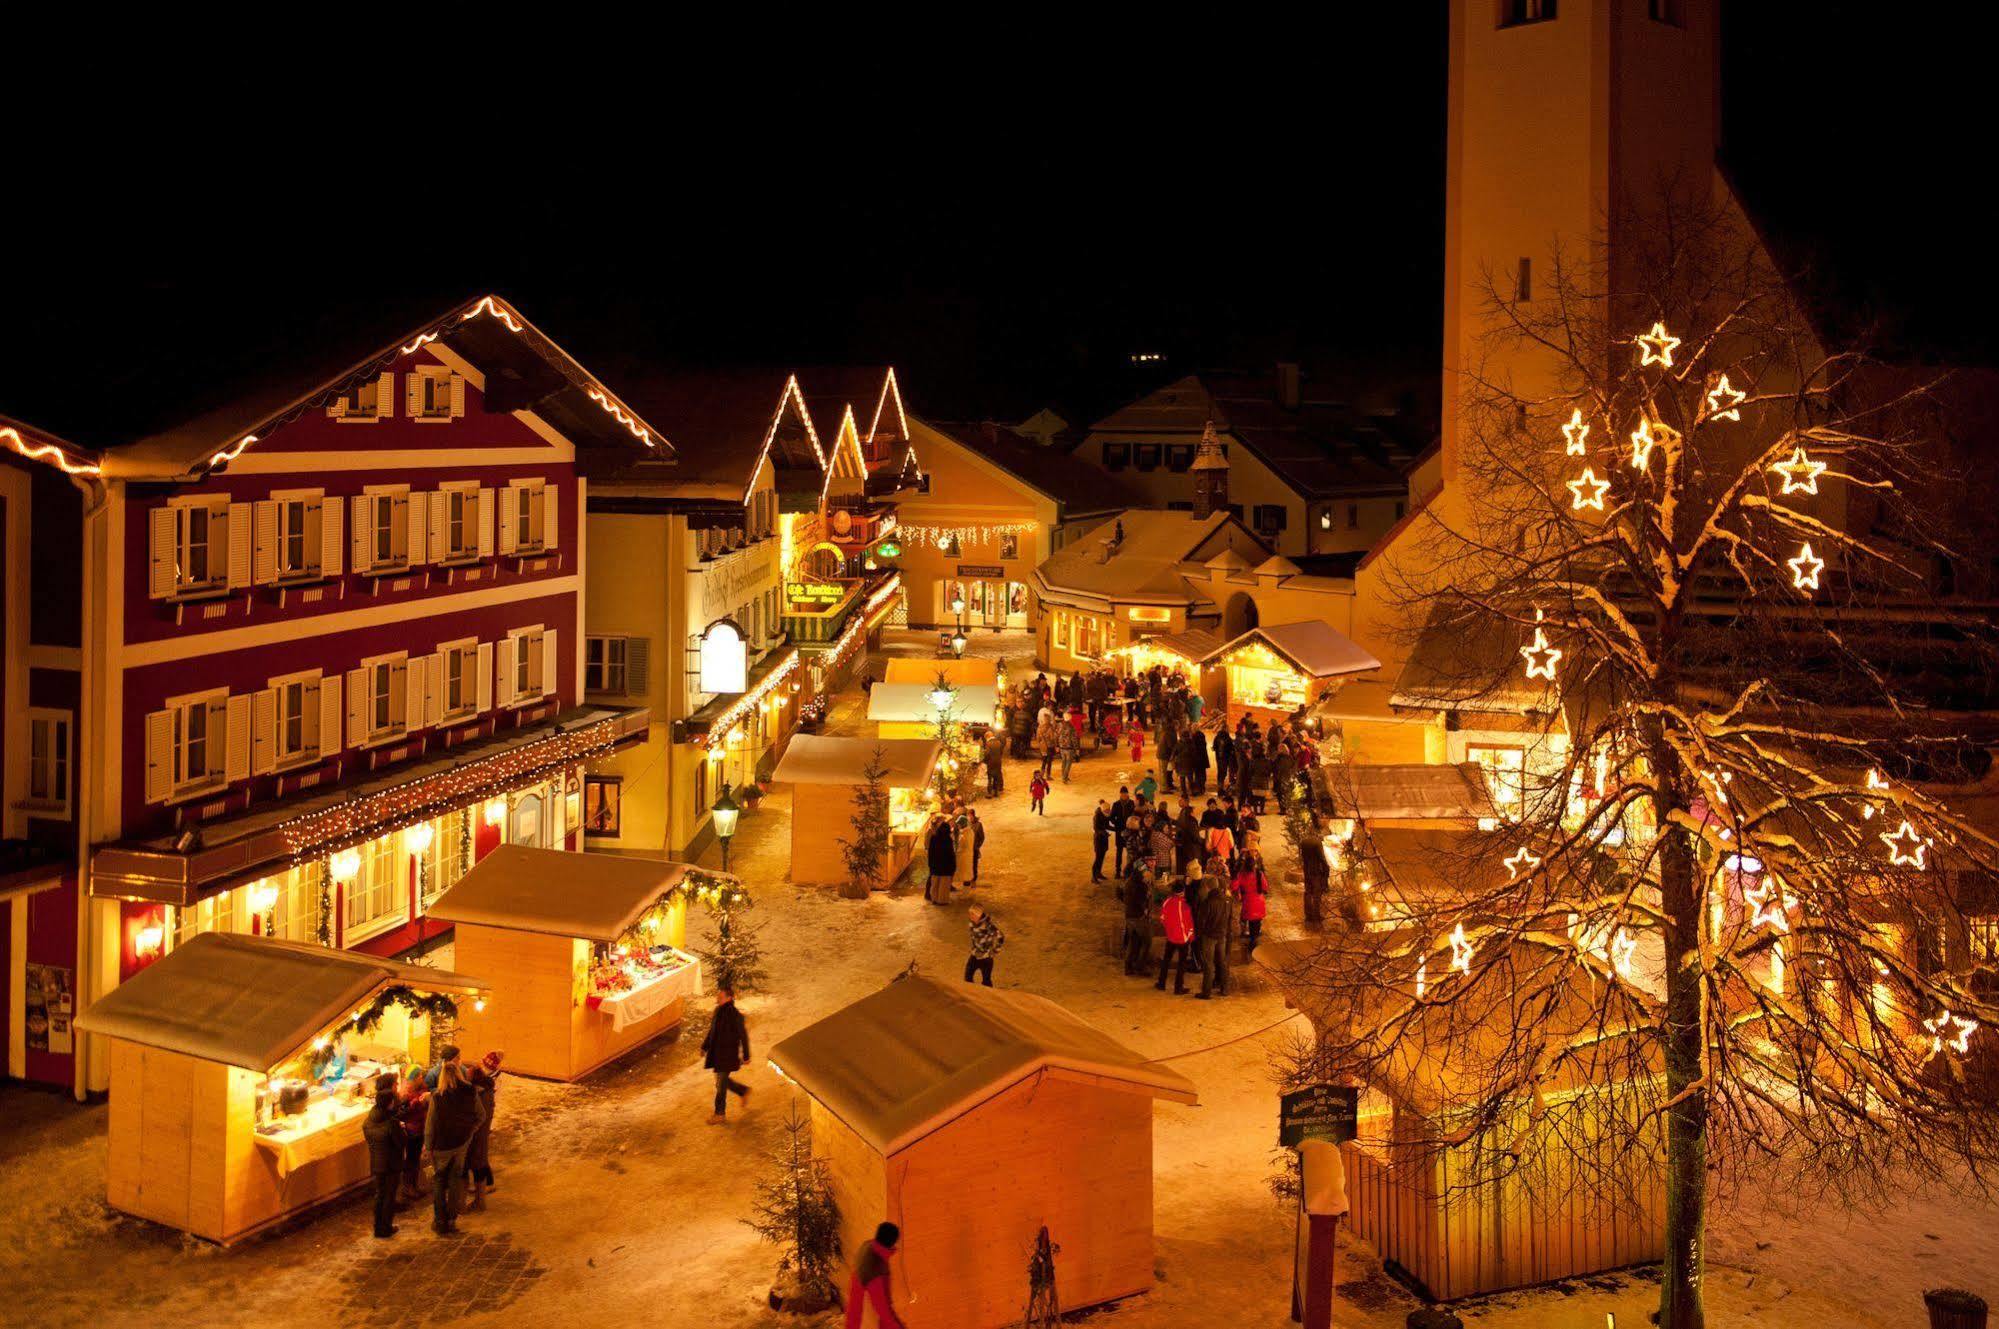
pixel 1727 918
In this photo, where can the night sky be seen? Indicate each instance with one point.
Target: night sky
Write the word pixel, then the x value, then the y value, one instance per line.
pixel 1009 233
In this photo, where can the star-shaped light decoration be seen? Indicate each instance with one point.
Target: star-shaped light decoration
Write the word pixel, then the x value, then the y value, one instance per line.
pixel 1805 568
pixel 1648 435
pixel 1906 846
pixel 1587 491
pixel 1461 950
pixel 1623 950
pixel 1801 474
pixel 1949 1031
pixel 1724 400
pixel 1875 781
pixel 1767 905
pixel 1522 863
pixel 1541 658
pixel 1656 347
pixel 1575 434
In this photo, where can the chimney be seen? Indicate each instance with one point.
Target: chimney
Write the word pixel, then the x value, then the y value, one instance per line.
pixel 1287 385
pixel 1211 475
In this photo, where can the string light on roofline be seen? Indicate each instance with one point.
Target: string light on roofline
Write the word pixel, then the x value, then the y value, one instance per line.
pixel 1657 346
pixel 1575 434
pixel 47 452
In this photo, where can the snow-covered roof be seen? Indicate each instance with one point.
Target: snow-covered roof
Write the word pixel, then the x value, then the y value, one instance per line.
pixel 1161 549
pixel 823 759
pixel 250 1001
pixel 972 669
pixel 906 703
pixel 1312 647
pixel 1407 792
pixel 903 1062
pixel 592 896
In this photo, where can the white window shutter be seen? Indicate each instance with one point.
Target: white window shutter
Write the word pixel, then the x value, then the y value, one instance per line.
pixel 414 384
pixel 508 541
pixel 457 395
pixel 357 707
pixel 507 658
pixel 159 755
pixel 418 514
pixel 266 554
pixel 440 525
pixel 385 396
pixel 264 736
pixel 399 694
pixel 439 681
pixel 236 524
pixel 360 517
pixel 337 408
pixel 236 732
pixel 551 662
pixel 399 520
pixel 329 716
pixel 162 529
pixel 485 676
pixel 551 518
pixel 485 523
pixel 638 666
pixel 330 537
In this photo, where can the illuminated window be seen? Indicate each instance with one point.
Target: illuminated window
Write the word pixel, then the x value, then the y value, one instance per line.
pixel 48 761
pixel 379 896
pixel 1513 13
pixel 1505 775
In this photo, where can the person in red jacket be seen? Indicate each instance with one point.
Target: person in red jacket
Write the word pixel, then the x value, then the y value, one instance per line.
pixel 1252 888
pixel 1176 920
pixel 870 1282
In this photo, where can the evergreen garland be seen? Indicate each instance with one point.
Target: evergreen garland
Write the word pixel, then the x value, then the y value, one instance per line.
pixel 436 1007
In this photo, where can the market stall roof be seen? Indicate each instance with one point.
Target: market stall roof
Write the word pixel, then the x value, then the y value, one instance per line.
pixel 903 1062
pixel 250 1001
pixel 1194 645
pixel 1471 666
pixel 822 759
pixel 909 703
pixel 1312 647
pixel 592 896
pixel 1409 792
pixel 902 669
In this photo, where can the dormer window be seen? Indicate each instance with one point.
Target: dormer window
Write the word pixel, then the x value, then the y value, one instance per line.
pixel 367 402
pixel 1514 13
pixel 435 393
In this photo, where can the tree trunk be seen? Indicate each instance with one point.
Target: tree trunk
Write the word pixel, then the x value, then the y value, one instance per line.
pixel 1683 897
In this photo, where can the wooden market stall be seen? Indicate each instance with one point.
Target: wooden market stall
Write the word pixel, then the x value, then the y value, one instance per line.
pixel 961 673
pixel 1278 670
pixel 242 1069
pixel 1581 1190
pixel 1405 796
pixel 579 949
pixel 827 771
pixel 907 710
pixel 972 1116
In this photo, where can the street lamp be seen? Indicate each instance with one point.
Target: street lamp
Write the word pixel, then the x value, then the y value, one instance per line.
pixel 958 643
pixel 726 811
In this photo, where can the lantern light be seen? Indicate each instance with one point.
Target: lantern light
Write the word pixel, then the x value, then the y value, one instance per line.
pixel 725 811
pixel 418 838
pixel 496 811
pixel 345 865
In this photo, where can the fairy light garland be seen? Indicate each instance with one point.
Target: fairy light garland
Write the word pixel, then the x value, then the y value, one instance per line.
pixel 943 537
pixel 743 705
pixel 47 452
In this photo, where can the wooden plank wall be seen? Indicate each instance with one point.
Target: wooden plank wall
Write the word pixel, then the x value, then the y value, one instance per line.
pixel 528 1010
pixel 858 1179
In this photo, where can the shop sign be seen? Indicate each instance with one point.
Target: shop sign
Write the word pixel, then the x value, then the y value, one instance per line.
pixel 1318 1112
pixel 725 659
pixel 735 581
pixel 889 549
pixel 800 592
pixel 980 570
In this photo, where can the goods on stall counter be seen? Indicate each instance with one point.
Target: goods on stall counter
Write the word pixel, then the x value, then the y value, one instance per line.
pixel 623 968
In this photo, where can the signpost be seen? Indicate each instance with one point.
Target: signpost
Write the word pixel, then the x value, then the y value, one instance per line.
pixel 1316 1120
pixel 1318 1112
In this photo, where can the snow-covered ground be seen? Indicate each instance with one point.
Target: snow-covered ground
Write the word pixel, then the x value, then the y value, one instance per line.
pixel 615 1198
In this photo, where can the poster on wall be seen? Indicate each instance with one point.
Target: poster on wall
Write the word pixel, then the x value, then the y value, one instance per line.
pixel 50 1004
pixel 603 804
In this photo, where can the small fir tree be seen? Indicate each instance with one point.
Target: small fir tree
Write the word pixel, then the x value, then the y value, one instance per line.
pixel 868 850
pixel 733 956
pixel 795 1211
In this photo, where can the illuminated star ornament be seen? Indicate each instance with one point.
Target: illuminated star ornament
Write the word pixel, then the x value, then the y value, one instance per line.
pixel 1422 975
pixel 1575 434
pixel 1656 347
pixel 1906 846
pixel 1767 905
pixel 1522 862
pixel 1587 491
pixel 1541 657
pixel 1648 435
pixel 1949 1031
pixel 1623 949
pixel 1805 568
pixel 1875 781
pixel 1461 950
pixel 1723 400
pixel 1801 474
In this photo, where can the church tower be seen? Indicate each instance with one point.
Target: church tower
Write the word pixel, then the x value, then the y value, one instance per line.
pixel 1211 474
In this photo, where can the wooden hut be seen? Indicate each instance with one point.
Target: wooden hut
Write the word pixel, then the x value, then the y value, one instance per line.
pixel 826 772
pixel 1278 670
pixel 906 710
pixel 577 946
pixel 973 672
pixel 972 1116
pixel 240 1077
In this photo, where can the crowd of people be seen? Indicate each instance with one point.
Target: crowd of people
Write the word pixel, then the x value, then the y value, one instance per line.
pixel 443 1113
pixel 1200 881
pixel 953 840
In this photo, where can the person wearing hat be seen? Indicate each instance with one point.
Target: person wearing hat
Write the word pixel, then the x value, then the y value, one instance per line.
pixel 383 1130
pixel 413 1105
pixel 870 1285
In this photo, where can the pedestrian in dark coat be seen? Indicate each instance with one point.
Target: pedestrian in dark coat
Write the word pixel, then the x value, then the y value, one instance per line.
pixel 978 840
pixel 383 1130
pixel 1100 839
pixel 1186 840
pixel 725 1050
pixel 479 1160
pixel 1225 754
pixel 1121 814
pixel 1214 921
pixel 942 860
pixel 448 1129
pixel 1137 890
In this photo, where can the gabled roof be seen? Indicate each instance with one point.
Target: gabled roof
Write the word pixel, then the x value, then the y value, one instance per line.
pixel 909 703
pixel 722 421
pixel 906 1061
pixel 1151 564
pixel 1077 485
pixel 593 896
pixel 823 759
pixel 1470 666
pixel 250 1001
pixel 176 410
pixel 1312 647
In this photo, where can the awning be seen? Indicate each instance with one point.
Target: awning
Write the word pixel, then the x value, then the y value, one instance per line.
pixel 1314 648
pixel 909 703
pixel 704 720
pixel 822 760
pixel 593 896
pixel 272 837
pixel 251 1001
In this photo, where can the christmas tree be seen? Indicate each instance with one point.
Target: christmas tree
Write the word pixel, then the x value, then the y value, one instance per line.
pixel 733 955
pixel 795 1211
pixel 867 851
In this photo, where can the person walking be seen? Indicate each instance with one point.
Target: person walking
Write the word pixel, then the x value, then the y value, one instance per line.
pixel 1137 743
pixel 1100 839
pixel 941 859
pixel 383 1130
pixel 1137 891
pixel 1169 753
pixel 448 1129
pixel 725 1050
pixel 1070 742
pixel 1148 788
pixel 869 1286
pixel 986 942
pixel 1252 888
pixel 485 1079
pixel 1214 919
pixel 1176 922
pixel 1037 793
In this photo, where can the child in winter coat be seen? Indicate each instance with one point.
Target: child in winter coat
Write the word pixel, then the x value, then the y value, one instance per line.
pixel 1037 792
pixel 1137 744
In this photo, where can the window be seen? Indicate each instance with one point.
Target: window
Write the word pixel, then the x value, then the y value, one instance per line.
pixel 378 701
pixel 1009 543
pixel 457 680
pixel 1180 456
pixel 453 848
pixel 295 718
pixel 1325 519
pixel 1513 13
pixel 296 915
pixel 382 529
pixel 1148 456
pixel 1505 773
pixel 1117 456
pixel 458 523
pixel 1270 517
pixel 524 524
pixel 435 393
pixel 366 403
pixel 292 540
pixel 1665 11
pixel 378 897
pixel 1060 631
pixel 48 760
pixel 616 665
pixel 524 666
pixel 198 726
pixel 201 545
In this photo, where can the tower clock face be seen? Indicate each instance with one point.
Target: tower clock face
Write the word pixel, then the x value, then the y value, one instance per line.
pixel 843 521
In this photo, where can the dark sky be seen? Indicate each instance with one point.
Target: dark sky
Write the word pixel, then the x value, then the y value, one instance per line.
pixel 1007 232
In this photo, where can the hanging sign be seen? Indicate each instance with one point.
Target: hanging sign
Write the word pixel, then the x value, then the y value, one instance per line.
pixel 889 549
pixel 822 592
pixel 725 660
pixel 981 570
pixel 1318 1112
